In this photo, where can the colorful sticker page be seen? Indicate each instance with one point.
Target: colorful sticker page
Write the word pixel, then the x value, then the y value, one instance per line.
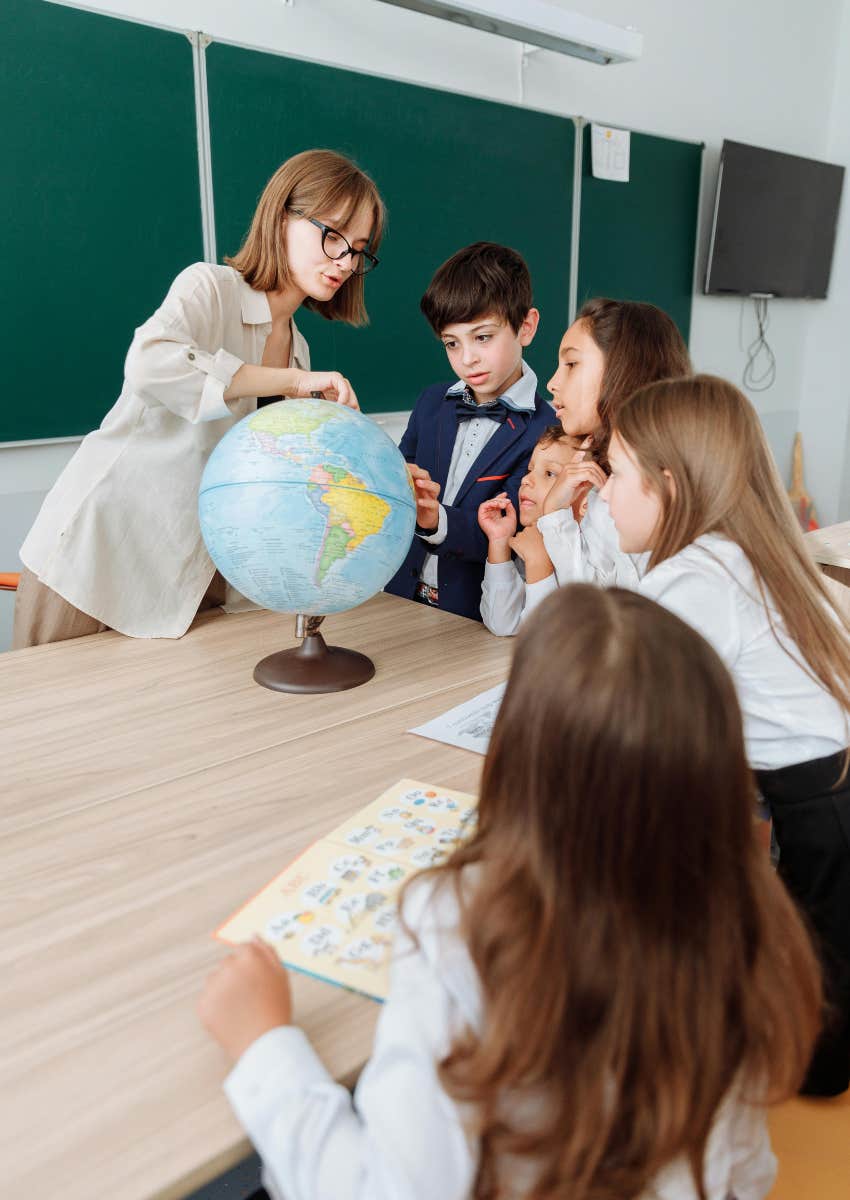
pixel 332 913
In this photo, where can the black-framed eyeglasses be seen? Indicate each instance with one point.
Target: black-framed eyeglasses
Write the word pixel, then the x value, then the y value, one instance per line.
pixel 335 246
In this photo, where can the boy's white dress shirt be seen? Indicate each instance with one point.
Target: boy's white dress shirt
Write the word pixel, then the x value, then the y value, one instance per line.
pixel 789 717
pixel 401 1137
pixel 118 534
pixel 472 436
pixel 506 598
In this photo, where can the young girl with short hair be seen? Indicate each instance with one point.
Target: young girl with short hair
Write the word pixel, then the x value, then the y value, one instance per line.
pixel 599 993
pixel 693 483
pixel 117 543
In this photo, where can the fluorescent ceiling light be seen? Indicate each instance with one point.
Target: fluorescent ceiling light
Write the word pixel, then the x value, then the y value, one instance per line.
pixel 539 24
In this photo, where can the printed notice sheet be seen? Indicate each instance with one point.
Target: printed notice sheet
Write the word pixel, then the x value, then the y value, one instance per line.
pixel 469 725
pixel 610 150
pixel 332 913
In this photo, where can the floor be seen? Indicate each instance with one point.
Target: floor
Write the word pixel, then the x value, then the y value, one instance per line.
pixel 811 1139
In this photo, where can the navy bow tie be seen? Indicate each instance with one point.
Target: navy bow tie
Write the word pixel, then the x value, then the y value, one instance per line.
pixel 466 408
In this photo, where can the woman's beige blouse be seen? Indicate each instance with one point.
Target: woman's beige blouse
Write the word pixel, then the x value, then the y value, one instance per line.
pixel 118 535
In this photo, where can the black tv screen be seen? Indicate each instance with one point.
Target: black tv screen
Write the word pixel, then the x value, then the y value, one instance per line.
pixel 774 224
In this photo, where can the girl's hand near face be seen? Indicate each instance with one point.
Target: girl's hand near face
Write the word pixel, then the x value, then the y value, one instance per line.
pixel 331 384
pixel 575 481
pixel 245 996
pixel 497 518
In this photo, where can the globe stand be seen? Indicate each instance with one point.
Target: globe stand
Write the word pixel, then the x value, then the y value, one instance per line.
pixel 314 666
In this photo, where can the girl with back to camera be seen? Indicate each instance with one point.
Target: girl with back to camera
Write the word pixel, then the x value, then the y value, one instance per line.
pixel 693 482
pixel 593 998
pixel 117 543
pixel 612 348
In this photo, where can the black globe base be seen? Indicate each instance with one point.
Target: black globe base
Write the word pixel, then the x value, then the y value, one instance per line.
pixel 314 666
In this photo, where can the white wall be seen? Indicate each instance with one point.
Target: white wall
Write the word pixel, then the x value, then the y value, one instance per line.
pixel 761 71
pixel 825 400
pixel 764 72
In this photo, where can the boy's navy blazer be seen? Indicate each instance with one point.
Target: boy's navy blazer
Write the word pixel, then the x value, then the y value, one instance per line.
pixel 429 441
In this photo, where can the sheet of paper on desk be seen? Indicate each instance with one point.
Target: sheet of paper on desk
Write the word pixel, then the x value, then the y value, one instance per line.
pixel 469 725
pixel 332 912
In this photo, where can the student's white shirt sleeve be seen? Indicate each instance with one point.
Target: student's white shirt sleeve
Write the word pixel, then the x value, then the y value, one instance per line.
pixel 588 552
pixel 706 599
pixel 506 599
pixel 502 598
pixel 176 359
pixel 398 1138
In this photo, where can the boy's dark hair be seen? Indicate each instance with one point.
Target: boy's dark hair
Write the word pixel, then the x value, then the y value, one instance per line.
pixel 556 433
pixel 482 278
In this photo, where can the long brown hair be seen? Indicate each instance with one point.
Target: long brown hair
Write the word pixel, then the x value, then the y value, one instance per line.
pixel 709 437
pixel 637 956
pixel 641 343
pixel 315 182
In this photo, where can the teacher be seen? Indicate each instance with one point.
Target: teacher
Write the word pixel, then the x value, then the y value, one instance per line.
pixel 117 544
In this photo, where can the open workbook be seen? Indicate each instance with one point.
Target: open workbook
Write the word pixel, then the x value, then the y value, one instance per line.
pixel 332 912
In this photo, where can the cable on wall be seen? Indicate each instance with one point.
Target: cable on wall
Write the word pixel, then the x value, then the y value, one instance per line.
pixel 760 368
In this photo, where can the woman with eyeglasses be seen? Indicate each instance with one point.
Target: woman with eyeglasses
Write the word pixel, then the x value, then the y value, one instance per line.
pixel 117 544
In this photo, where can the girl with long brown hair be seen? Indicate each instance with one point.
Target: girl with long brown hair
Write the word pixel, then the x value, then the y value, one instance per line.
pixel 593 999
pixel 694 484
pixel 612 348
pixel 117 543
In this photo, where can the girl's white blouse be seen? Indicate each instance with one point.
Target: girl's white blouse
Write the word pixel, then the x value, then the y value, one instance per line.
pixel 400 1137
pixel 789 717
pixel 588 552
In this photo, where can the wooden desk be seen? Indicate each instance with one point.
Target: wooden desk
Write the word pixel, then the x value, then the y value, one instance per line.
pixel 149 788
pixel 831 548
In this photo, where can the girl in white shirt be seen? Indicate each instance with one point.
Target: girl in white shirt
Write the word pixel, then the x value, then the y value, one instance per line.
pixel 612 348
pixel 117 542
pixel 592 997
pixel 694 484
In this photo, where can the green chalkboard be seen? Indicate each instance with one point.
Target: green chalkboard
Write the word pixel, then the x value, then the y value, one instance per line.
pixel 99 204
pixel 638 239
pixel 452 170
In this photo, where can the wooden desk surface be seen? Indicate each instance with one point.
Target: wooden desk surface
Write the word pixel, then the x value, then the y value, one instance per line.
pixel 149 789
pixel 831 545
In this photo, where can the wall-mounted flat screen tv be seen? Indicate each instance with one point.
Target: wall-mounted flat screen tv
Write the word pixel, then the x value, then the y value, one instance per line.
pixel 774 224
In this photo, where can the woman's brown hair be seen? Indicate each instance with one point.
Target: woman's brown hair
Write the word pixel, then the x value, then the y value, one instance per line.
pixel 708 436
pixel 638 958
pixel 316 183
pixel 640 344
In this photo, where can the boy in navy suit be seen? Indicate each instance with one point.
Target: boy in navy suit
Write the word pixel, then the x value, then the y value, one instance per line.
pixel 469 441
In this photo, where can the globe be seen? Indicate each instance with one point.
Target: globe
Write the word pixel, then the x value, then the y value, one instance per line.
pixel 306 507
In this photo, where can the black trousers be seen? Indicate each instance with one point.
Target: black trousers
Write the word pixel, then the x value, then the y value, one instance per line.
pixel 811 818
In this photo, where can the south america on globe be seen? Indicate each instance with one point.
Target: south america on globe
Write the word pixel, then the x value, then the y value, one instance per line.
pixel 306 507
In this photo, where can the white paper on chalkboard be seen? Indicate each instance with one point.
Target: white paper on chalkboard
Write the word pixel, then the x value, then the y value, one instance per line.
pixel 610 150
